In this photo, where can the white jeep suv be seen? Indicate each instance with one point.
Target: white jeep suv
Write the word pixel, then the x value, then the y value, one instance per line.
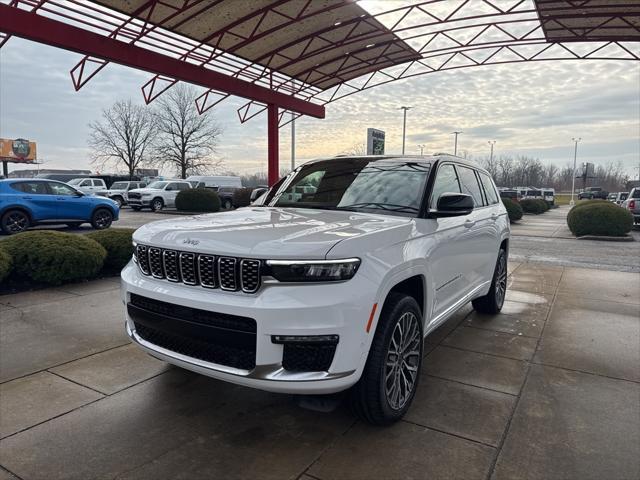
pixel 333 282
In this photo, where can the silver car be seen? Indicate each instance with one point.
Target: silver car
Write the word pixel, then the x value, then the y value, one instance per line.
pixel 119 191
pixel 632 203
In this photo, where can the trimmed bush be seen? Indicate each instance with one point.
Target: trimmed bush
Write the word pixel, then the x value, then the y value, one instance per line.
pixel 599 218
pixel 6 264
pixel 54 257
pixel 118 244
pixel 242 197
pixel 198 200
pixel 534 205
pixel 513 209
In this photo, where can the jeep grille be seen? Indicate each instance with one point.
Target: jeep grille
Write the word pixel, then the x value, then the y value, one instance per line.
pixel 208 271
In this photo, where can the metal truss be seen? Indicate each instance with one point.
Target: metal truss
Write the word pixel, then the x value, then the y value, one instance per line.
pixel 443 35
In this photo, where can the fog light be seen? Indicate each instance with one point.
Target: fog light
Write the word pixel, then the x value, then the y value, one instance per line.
pixel 313 339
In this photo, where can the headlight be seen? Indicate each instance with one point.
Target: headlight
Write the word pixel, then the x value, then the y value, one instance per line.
pixel 313 270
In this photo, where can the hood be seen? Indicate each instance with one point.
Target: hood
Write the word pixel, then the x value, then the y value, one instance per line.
pixel 265 232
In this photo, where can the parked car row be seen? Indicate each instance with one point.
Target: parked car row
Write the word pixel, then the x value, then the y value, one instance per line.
pixel 520 193
pixel 618 197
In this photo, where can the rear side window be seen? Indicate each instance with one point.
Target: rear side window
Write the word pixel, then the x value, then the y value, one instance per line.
pixel 489 189
pixel 469 184
pixel 33 188
pixel 184 186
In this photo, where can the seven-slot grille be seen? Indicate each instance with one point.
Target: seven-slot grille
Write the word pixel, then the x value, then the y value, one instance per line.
pixel 209 271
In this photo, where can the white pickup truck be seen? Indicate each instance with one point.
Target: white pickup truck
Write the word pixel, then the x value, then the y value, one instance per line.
pixel 157 195
pixel 88 185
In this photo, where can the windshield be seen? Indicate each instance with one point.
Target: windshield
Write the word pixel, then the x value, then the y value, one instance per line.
pixel 158 185
pixel 119 186
pixel 357 184
pixel 75 181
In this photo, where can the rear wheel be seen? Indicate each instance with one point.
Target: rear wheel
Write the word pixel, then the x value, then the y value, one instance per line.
pixel 492 302
pixel 157 204
pixel 14 221
pixel 228 205
pixel 119 200
pixel 101 219
pixel 390 378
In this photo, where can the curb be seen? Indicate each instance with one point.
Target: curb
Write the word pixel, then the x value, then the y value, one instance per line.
pixel 603 238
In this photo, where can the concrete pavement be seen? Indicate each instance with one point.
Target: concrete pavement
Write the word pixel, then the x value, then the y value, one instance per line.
pixel 549 388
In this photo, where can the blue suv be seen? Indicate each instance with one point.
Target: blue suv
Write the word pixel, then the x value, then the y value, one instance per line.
pixel 25 202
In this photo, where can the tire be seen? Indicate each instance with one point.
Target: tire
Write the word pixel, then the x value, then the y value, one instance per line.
pixel 228 205
pixel 119 200
pixel 74 224
pixel 373 398
pixel 14 221
pixel 492 302
pixel 136 209
pixel 157 204
pixel 101 219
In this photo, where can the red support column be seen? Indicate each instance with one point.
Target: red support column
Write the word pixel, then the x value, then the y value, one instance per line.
pixel 273 147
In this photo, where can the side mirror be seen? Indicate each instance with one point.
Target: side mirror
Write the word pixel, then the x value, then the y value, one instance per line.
pixel 453 205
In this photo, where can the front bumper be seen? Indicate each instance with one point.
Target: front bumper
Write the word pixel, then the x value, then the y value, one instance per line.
pixel 140 202
pixel 295 310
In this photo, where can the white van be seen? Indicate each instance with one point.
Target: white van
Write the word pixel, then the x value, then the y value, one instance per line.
pixel 215 181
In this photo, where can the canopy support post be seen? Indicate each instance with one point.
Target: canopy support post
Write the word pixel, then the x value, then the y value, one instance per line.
pixel 273 147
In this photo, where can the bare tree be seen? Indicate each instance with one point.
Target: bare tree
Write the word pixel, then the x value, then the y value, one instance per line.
pixel 187 141
pixel 357 150
pixel 123 136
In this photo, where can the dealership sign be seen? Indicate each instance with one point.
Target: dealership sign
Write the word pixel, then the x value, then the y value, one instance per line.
pixel 18 150
pixel 375 142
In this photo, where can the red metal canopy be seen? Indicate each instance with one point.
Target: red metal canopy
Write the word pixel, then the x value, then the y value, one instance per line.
pixel 299 55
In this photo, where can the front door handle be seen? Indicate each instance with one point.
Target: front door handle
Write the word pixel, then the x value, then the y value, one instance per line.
pixel 469 223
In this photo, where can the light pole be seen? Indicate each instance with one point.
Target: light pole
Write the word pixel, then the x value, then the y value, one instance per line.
pixel 492 143
pixel 573 180
pixel 421 147
pixel 404 125
pixel 293 141
pixel 455 144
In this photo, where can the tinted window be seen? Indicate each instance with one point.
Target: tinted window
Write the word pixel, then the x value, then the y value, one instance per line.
pixel 356 184
pixel 119 186
pixel 159 185
pixel 98 183
pixel 446 181
pixel 183 186
pixel 33 188
pixel 61 189
pixel 489 189
pixel 469 185
pixel 635 193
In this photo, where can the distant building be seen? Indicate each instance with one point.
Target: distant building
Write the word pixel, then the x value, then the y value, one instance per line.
pixel 31 173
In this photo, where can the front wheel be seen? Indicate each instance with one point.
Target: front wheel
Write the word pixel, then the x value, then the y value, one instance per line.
pixel 492 302
pixel 228 205
pixel 101 219
pixel 14 221
pixel 390 378
pixel 119 201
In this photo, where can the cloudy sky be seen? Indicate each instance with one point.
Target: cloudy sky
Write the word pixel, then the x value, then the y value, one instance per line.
pixel 528 109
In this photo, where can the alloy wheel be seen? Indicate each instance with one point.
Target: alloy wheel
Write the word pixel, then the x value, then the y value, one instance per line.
pixel 403 360
pixel 17 222
pixel 103 219
pixel 157 205
pixel 501 281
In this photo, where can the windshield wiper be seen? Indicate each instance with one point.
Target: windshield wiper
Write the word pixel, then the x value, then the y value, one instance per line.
pixel 382 206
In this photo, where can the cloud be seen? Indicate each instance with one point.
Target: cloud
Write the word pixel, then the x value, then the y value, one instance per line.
pixel 528 108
